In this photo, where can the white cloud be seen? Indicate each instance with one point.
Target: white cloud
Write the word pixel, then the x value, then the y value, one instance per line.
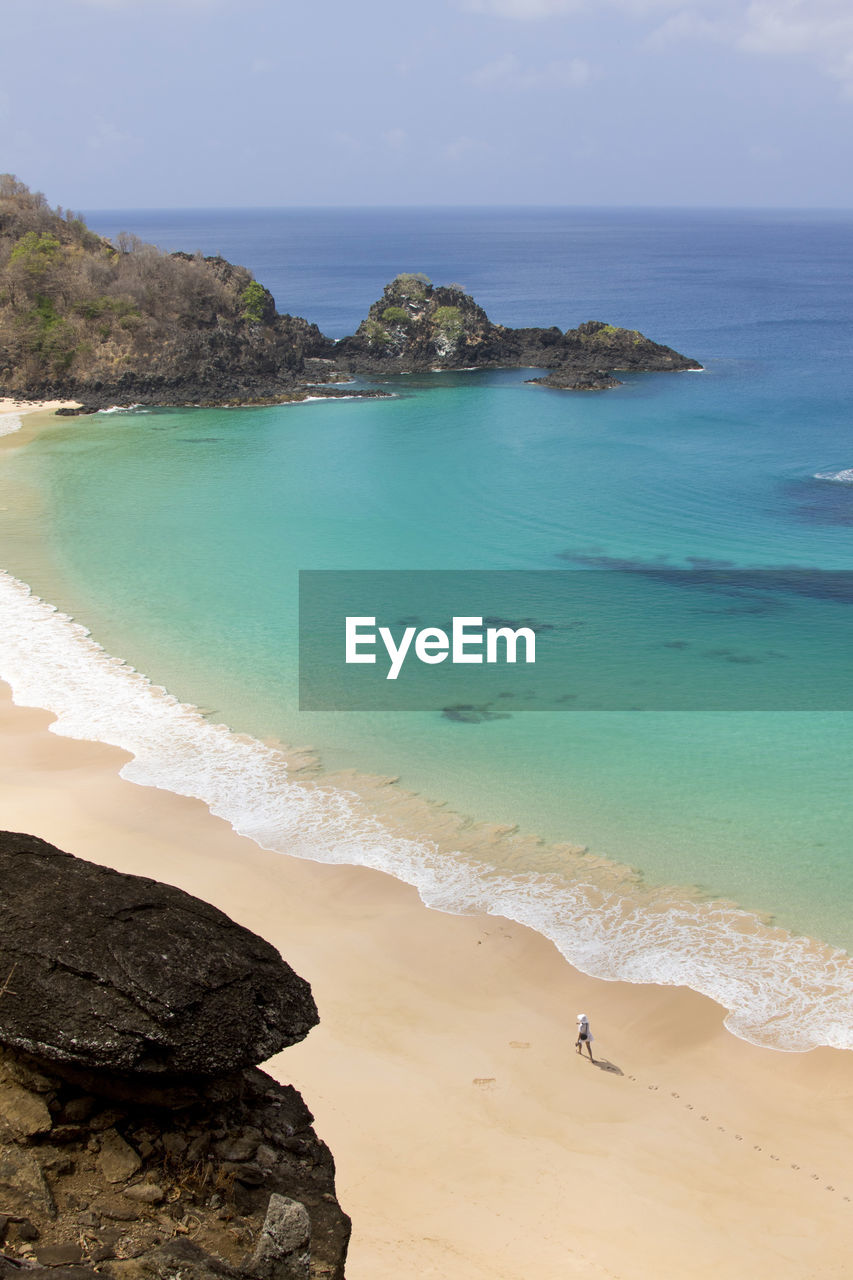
pixel 533 10
pixel 507 73
pixel 796 26
pixel 689 24
pixel 464 148
pixel 820 31
pixel 149 4
pixel 523 9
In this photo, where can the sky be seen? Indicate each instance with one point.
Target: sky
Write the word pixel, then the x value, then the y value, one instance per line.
pixel 119 104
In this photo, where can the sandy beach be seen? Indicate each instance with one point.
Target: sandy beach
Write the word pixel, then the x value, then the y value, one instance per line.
pixel 470 1139
pixel 8 405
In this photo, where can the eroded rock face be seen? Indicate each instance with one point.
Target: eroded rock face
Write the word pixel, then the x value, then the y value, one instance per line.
pixel 117 973
pixel 418 326
pixel 241 1189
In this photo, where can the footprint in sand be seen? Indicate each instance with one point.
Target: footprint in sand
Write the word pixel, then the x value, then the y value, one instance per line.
pixel 738 1137
pixel 815 1177
pixel 653 1086
pixel 704 1117
pixel 484 1082
pixel 689 1106
pixel 519 1044
pixel 829 1188
pixel 756 1147
pixel 675 1095
pixel 720 1129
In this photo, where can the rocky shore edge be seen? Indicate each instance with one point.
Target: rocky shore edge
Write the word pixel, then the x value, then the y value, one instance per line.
pixel 416 327
pixel 119 324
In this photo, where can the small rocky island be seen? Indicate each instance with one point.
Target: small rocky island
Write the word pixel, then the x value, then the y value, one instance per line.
pixel 107 324
pixel 416 326
pixel 138 1138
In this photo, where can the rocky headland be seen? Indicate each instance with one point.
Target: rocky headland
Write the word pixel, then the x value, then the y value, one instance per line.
pixel 416 326
pixel 105 324
pixel 138 1138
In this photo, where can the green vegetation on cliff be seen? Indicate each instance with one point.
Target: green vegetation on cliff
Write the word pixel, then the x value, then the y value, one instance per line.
pixel 84 317
pixel 116 323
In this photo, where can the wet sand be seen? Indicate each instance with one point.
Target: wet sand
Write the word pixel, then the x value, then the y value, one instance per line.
pixel 471 1141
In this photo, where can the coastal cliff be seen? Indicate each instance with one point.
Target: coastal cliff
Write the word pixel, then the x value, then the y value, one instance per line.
pixel 82 318
pixel 138 1138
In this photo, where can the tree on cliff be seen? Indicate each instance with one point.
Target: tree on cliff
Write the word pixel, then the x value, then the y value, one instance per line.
pixel 80 315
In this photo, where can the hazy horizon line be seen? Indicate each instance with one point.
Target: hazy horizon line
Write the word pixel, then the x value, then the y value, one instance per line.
pixel 478 208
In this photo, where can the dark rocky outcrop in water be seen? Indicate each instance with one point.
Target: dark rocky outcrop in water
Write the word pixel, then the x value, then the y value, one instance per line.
pixel 160 1151
pixel 121 323
pixel 594 350
pixel 415 327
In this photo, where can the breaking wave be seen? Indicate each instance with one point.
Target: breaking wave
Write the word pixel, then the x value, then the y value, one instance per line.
pixel 779 990
pixel 840 477
pixel 9 422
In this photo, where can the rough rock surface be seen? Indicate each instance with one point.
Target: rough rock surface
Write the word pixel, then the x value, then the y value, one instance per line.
pixel 283 1250
pixel 416 326
pixel 567 378
pixel 117 973
pixel 121 1153
pixel 186 1206
pixel 82 318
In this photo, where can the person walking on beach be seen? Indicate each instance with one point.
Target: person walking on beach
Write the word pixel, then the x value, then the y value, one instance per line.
pixel 584 1036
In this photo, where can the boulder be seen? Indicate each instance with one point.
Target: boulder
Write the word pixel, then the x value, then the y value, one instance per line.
pixel 117 1159
pixel 283 1250
pixel 26 1113
pixel 23 1189
pixel 116 973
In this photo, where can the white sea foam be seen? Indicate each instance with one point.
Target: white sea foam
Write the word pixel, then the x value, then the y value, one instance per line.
pixel 9 422
pixel 325 399
pixel 779 990
pixel 840 477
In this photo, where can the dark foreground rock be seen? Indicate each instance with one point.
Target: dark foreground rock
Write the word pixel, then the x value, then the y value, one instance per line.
pixel 120 974
pixel 137 1139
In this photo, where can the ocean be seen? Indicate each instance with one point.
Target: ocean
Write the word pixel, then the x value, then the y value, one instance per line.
pixel 705 848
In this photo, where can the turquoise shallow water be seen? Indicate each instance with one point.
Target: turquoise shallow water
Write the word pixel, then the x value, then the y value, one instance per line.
pixel 176 537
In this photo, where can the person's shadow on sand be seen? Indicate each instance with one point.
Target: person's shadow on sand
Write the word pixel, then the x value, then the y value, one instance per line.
pixel 604 1065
